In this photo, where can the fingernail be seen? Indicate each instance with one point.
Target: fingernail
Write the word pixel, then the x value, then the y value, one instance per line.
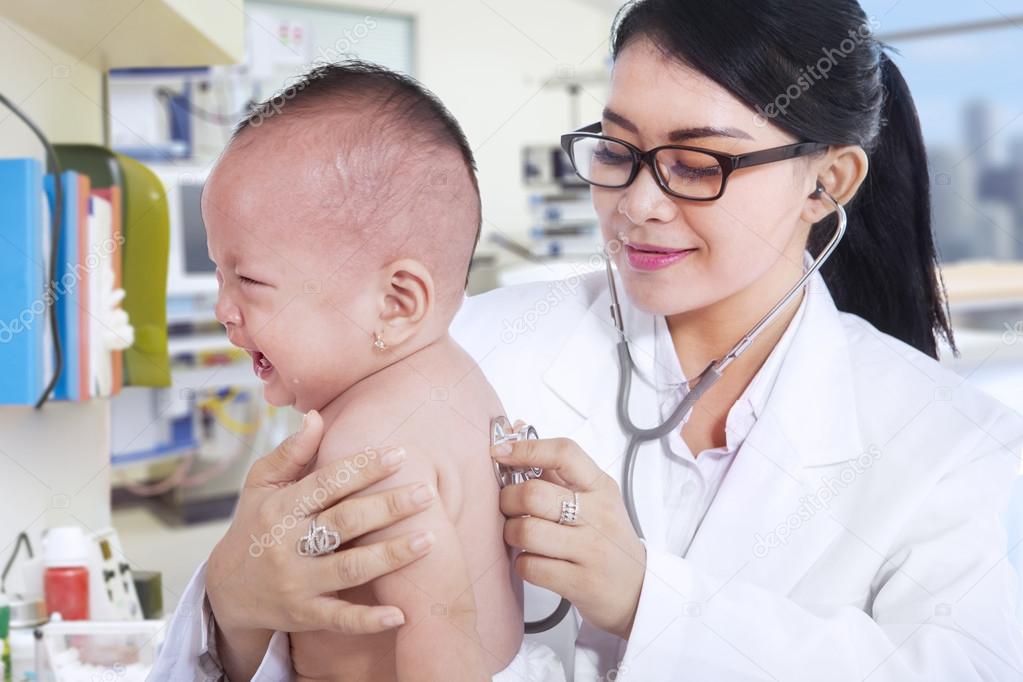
pixel 393 620
pixel 501 450
pixel 305 419
pixel 393 457
pixel 422 494
pixel 422 542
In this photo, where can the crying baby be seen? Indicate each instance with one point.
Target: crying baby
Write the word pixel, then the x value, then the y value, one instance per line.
pixel 342 227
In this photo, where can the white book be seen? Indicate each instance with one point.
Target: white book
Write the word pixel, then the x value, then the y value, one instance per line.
pixel 98 258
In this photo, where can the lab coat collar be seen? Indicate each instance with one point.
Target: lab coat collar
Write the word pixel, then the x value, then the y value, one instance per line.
pixel 812 400
pixel 579 373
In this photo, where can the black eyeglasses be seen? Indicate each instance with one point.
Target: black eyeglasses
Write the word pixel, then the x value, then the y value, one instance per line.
pixel 685 172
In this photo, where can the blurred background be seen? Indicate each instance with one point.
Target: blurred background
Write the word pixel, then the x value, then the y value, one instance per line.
pixel 141 95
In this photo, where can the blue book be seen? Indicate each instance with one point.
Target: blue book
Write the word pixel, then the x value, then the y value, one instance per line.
pixel 23 272
pixel 68 288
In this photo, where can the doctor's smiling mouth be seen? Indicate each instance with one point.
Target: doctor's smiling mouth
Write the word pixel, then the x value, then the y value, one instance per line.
pixel 649 258
pixel 768 316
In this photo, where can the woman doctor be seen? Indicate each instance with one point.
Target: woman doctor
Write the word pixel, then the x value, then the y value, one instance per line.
pixel 831 508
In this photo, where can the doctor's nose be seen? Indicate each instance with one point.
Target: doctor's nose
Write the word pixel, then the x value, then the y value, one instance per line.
pixel 644 200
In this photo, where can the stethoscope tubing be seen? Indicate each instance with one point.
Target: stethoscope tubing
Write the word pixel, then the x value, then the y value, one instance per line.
pixel 703 383
pixel 705 380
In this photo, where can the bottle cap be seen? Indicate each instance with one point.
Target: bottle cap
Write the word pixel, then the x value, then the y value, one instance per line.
pixel 65 546
pixel 27 612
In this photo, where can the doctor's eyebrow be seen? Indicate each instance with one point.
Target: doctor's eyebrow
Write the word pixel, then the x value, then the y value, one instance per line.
pixel 682 134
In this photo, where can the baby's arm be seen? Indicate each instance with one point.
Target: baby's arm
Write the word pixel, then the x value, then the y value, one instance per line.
pixel 439 640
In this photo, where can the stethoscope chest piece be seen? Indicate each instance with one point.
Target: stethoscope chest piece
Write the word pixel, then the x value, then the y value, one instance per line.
pixel 501 431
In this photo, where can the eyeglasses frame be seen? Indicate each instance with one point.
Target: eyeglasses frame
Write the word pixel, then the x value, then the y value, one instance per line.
pixel 729 162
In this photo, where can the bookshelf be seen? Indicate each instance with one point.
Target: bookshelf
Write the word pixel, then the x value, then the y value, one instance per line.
pixel 55 462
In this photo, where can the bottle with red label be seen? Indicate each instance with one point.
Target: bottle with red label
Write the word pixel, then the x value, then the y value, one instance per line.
pixel 66 580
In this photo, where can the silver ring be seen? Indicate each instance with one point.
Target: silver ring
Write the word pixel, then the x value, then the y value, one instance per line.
pixel 318 541
pixel 570 511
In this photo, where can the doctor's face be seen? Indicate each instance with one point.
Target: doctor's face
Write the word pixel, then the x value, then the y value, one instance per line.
pixel 677 256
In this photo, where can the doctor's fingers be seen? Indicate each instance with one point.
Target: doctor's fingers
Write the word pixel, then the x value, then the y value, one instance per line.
pixel 353 566
pixel 357 516
pixel 562 577
pixel 561 455
pixel 328 613
pixel 286 462
pixel 535 497
pixel 324 487
pixel 539 536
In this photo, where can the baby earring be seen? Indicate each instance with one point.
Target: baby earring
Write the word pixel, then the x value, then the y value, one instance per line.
pixel 378 341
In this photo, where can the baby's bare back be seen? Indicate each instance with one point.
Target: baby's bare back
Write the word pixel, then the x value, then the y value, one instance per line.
pixel 440 411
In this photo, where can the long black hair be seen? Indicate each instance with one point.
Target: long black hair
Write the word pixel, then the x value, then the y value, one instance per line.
pixel 820 74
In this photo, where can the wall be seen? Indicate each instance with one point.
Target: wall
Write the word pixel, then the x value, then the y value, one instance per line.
pixel 54 464
pixel 489 60
pixel 62 94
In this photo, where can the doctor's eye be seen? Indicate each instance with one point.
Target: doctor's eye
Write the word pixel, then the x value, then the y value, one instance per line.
pixel 695 173
pixel 689 172
pixel 611 154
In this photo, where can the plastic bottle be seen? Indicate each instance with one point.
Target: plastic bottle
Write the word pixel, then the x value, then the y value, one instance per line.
pixel 66 580
pixel 6 670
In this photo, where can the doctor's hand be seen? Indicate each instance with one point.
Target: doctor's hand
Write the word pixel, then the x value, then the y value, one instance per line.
pixel 598 564
pixel 257 582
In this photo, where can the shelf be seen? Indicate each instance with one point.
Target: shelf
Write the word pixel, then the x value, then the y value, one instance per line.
pixel 112 34
pixel 211 377
pixel 199 343
pixel 985 284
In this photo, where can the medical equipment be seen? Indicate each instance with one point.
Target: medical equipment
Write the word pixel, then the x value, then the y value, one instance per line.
pixel 501 431
pixel 707 378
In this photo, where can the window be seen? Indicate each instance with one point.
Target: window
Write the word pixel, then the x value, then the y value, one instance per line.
pixel 961 61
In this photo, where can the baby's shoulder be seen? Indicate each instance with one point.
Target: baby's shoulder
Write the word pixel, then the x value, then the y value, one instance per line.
pixel 432 420
pixel 359 434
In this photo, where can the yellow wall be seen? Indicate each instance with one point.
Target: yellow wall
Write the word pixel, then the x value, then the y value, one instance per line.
pixel 62 94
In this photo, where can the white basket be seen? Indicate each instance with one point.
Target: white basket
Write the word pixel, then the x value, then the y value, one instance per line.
pixel 97 651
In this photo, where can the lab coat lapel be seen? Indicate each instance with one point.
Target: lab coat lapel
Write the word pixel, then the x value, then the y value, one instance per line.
pixel 761 527
pixel 585 375
pixel 809 422
pixel 580 372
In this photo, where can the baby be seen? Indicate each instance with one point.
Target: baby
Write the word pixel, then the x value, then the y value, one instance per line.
pixel 342 225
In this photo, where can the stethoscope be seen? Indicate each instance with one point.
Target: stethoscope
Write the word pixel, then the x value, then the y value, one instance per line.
pixel 502 431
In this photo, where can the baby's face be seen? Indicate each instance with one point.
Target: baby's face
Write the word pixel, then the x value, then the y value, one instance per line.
pixel 292 301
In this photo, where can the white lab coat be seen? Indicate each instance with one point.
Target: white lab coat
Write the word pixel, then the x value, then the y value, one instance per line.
pixel 857 535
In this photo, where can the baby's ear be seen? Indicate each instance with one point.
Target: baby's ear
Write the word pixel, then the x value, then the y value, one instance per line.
pixel 406 299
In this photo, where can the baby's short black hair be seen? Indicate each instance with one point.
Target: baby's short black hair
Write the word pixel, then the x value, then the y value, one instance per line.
pixel 405 106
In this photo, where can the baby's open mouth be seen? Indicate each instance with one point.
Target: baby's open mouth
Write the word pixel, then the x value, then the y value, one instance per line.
pixel 263 368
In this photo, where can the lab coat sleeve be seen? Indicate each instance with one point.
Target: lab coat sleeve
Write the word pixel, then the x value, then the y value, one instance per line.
pixel 943 606
pixel 185 656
